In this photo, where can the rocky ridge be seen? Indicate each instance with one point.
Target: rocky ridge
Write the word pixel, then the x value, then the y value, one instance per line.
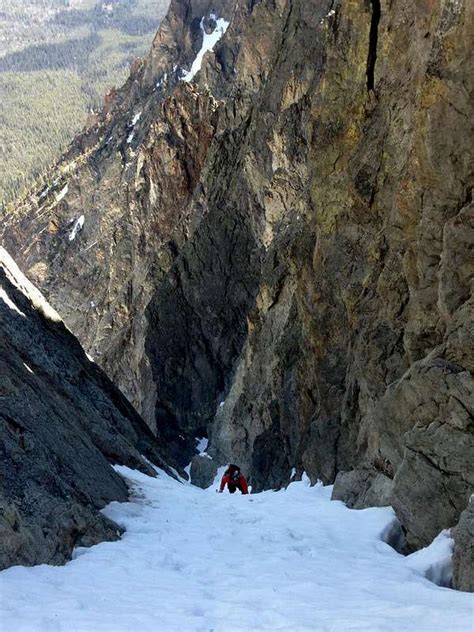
pixel 278 254
pixel 62 425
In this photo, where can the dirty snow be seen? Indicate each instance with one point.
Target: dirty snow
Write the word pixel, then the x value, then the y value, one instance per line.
pixel 78 225
pixel 208 43
pixel 193 560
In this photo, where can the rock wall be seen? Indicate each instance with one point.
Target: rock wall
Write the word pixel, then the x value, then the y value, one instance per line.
pixel 278 255
pixel 463 558
pixel 62 425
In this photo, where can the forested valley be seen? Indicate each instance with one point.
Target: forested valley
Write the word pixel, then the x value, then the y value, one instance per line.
pixel 57 60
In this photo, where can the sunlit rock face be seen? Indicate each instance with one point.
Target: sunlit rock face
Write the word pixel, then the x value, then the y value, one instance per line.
pixel 276 253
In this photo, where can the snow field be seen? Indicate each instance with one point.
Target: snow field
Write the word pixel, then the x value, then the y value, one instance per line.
pixel 197 561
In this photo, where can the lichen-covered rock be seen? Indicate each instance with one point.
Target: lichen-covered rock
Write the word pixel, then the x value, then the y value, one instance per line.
pixel 463 557
pixel 62 425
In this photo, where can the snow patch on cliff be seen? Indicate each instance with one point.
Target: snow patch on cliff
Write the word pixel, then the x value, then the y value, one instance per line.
pixel 209 40
pixel 78 226
pixel 435 561
pixel 62 193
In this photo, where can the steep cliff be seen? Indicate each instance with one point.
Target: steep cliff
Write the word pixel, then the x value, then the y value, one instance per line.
pixel 276 252
pixel 62 423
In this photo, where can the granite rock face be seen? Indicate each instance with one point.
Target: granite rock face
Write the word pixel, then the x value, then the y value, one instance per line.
pixel 278 254
pixel 203 471
pixel 62 425
pixel 363 487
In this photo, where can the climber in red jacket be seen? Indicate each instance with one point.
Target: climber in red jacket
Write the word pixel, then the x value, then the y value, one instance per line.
pixel 234 480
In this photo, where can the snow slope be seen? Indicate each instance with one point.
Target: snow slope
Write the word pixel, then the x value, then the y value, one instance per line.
pixel 192 560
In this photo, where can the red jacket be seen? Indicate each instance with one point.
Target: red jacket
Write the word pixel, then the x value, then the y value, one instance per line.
pixel 240 483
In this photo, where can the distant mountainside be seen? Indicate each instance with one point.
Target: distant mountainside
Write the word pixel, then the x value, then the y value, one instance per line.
pixel 265 238
pixel 57 60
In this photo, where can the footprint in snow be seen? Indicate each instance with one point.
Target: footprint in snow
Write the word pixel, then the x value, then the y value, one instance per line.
pixel 294 536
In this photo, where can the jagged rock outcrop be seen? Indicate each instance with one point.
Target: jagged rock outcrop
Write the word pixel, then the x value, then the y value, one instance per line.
pixel 463 557
pixel 278 254
pixel 203 471
pixel 363 487
pixel 62 424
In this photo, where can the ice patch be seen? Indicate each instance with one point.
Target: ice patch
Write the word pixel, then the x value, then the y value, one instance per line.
pixel 78 225
pixel 28 368
pixel 136 118
pixel 130 138
pixel 209 40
